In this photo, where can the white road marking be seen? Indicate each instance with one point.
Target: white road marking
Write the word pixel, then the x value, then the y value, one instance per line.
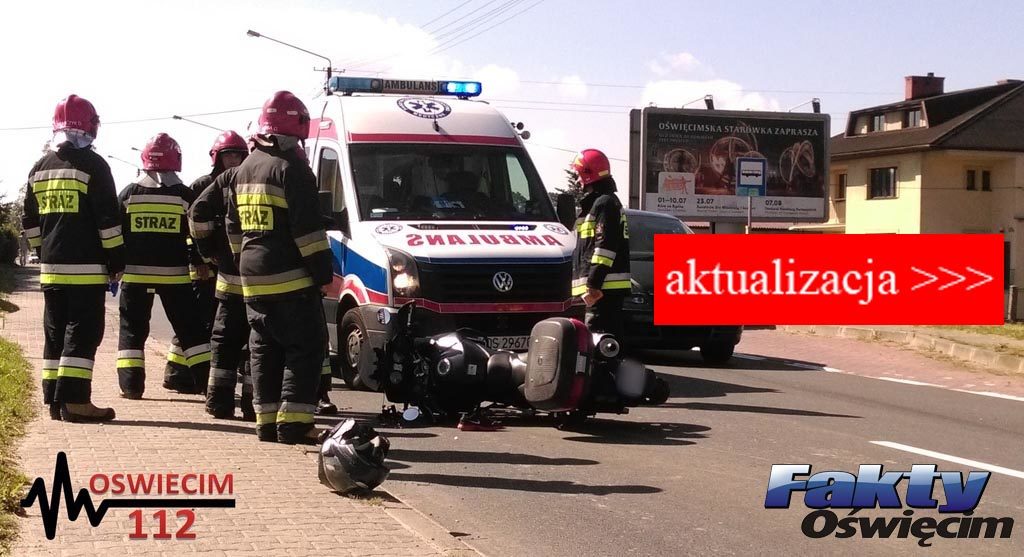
pixel 954 459
pixel 803 366
pixel 908 381
pixel 990 393
pixel 833 370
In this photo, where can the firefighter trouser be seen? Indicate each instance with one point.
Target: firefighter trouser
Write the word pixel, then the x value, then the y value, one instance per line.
pixel 203 291
pixel 230 363
pixel 605 316
pixel 180 307
pixel 73 321
pixel 287 346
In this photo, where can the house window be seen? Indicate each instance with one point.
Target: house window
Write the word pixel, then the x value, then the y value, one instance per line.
pixel 878 122
pixel 912 118
pixel 840 194
pixel 971 180
pixel 986 180
pixel 883 183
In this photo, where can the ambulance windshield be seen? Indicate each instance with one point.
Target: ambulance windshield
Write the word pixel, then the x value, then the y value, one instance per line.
pixel 447 182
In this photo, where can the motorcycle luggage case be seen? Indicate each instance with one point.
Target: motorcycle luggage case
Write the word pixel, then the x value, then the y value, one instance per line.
pixel 557 366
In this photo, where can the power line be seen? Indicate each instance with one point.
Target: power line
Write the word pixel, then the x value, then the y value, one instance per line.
pixel 425 25
pixel 141 120
pixel 742 90
pixel 475 23
pixel 517 14
pixel 469 13
pixel 576 151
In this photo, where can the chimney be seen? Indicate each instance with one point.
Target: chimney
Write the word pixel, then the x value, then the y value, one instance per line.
pixel 920 86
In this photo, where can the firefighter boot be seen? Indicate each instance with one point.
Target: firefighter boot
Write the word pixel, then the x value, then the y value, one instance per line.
pixel 86 413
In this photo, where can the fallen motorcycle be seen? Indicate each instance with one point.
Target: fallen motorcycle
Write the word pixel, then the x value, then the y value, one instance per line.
pixel 568 371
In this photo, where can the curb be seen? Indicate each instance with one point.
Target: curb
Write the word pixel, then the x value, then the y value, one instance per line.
pixel 980 356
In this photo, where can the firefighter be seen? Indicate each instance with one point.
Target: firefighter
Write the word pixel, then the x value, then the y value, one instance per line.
pixel 228 151
pixel 71 216
pixel 285 266
pixel 230 325
pixel 157 257
pixel 601 262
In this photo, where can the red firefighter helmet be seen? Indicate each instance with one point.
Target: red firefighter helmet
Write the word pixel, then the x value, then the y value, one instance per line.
pixel 285 114
pixel 161 154
pixel 76 113
pixel 591 165
pixel 227 141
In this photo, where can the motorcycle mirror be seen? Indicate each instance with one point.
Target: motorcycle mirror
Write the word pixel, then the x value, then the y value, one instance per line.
pixel 411 414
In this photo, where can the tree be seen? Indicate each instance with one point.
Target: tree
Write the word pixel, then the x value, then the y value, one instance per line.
pixel 572 185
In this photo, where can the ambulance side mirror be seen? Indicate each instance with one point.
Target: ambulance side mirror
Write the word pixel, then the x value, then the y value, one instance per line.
pixel 326 199
pixel 565 206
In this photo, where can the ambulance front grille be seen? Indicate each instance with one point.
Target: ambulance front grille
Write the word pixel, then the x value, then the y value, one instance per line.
pixel 475 282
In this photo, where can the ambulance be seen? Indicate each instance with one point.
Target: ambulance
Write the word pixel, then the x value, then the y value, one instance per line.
pixel 431 198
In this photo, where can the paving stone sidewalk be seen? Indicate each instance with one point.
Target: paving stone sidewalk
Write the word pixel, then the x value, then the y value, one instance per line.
pixel 280 505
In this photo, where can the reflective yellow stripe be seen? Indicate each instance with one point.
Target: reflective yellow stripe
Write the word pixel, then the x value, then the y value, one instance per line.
pixel 280 288
pixel 266 418
pixel 579 290
pixel 54 278
pixel 228 288
pixel 170 208
pixel 295 417
pixel 177 358
pixel 261 199
pixel 35 242
pixel 156 279
pixel 601 260
pixel 193 275
pixel 322 245
pixel 49 374
pixel 77 372
pixel 198 359
pixel 326 370
pixel 131 362
pixel 616 285
pixel 60 184
pixel 113 242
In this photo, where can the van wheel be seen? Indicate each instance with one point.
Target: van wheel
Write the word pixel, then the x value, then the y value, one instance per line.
pixel 717 354
pixel 356 363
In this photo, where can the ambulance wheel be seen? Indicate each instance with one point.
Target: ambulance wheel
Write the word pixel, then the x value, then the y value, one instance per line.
pixel 356 363
pixel 717 354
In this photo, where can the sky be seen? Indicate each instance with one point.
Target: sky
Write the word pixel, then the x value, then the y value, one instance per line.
pixel 569 70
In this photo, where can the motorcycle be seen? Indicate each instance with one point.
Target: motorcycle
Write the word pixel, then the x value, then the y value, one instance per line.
pixel 567 371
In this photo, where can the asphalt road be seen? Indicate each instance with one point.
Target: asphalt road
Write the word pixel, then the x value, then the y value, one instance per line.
pixel 690 477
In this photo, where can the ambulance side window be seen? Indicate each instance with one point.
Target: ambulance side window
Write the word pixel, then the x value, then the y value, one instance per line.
pixel 329 180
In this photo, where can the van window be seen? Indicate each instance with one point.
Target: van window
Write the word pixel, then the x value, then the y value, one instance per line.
pixel 329 177
pixel 447 182
pixel 642 229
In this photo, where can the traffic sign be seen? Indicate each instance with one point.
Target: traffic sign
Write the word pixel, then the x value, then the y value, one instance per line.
pixel 751 176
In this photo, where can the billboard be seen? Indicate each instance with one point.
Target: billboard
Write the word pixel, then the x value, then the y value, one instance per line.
pixel 706 164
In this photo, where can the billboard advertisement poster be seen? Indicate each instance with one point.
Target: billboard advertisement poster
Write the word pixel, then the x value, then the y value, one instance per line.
pixel 703 165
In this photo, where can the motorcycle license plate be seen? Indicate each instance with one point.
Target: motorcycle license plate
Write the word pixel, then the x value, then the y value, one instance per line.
pixel 508 343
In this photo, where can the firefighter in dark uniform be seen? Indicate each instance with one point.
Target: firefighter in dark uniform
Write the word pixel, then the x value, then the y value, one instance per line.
pixel 230 325
pixel 285 266
pixel 601 261
pixel 71 216
pixel 157 257
pixel 228 151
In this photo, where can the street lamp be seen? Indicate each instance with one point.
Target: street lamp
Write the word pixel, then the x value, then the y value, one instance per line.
pixel 815 105
pixel 709 101
pixel 183 119
pixel 327 87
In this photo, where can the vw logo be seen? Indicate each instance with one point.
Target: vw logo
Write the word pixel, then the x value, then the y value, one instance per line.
pixel 502 281
pixel 424 108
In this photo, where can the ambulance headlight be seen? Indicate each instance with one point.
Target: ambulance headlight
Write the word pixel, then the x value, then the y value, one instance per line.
pixel 405 278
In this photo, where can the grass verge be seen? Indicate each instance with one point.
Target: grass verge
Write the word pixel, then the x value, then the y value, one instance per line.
pixel 1009 330
pixel 15 412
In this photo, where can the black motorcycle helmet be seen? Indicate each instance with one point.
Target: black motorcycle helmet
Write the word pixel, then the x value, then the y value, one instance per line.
pixel 352 458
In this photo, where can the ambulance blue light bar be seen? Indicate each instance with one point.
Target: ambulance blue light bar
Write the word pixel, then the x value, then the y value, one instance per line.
pixel 405 86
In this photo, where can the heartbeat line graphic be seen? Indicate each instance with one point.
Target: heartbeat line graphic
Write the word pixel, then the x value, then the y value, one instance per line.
pixel 50 509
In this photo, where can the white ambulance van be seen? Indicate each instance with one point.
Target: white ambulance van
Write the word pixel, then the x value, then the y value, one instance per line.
pixel 433 198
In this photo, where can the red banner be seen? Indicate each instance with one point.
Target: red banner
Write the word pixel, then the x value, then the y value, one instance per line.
pixel 840 279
